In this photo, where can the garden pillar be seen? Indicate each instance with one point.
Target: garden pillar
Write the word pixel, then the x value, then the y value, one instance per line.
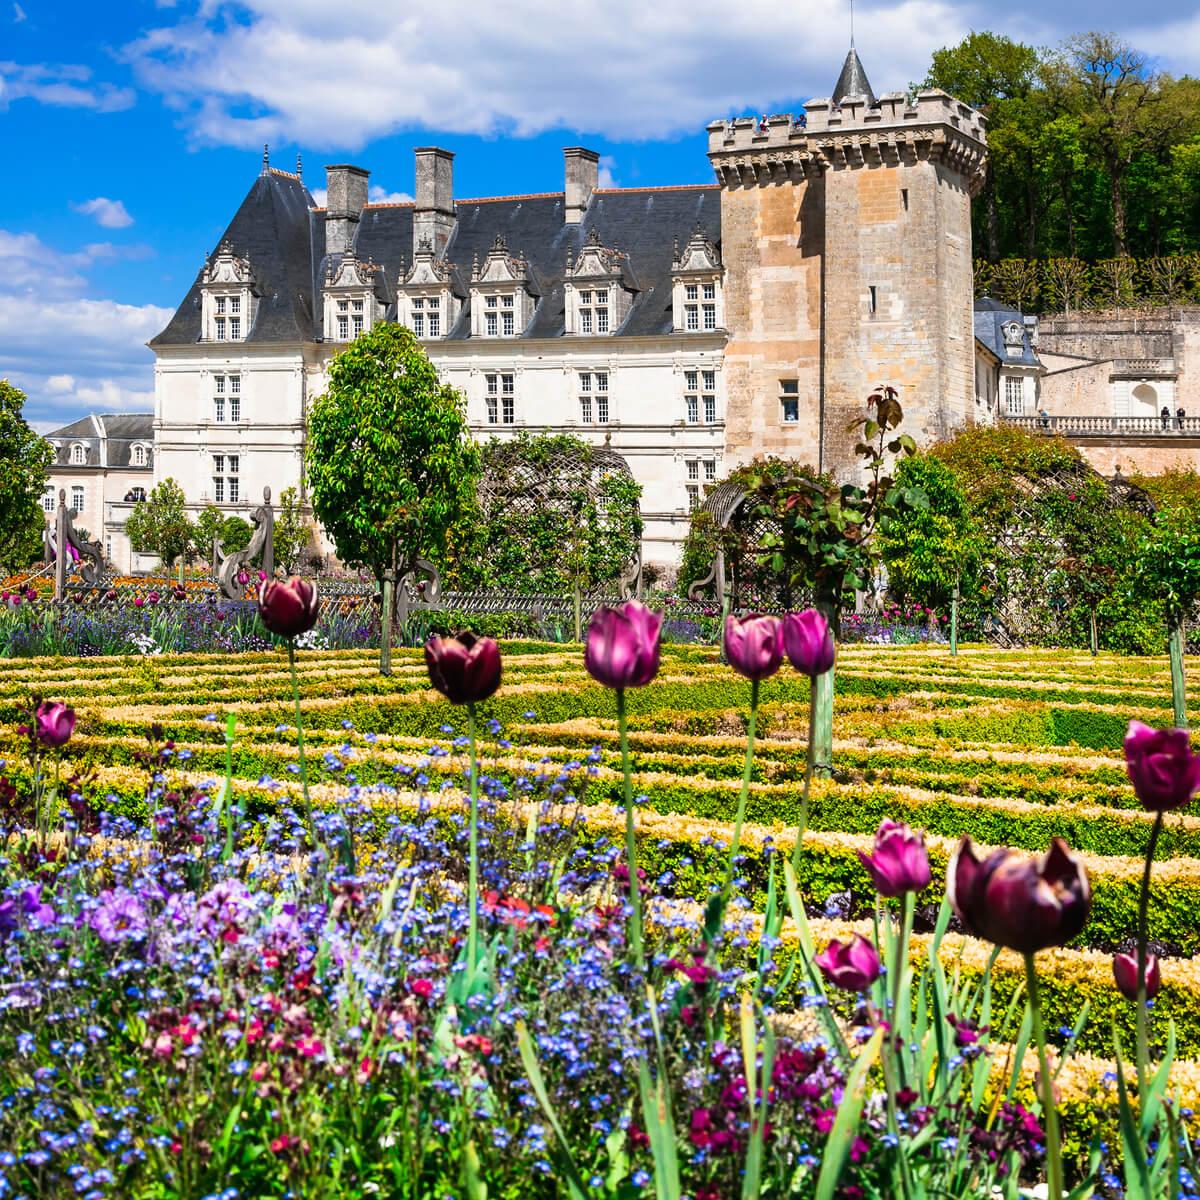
pixel 1178 692
pixel 822 703
pixel 385 621
pixel 954 598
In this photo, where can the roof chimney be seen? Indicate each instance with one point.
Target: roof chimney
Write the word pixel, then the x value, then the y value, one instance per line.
pixel 582 173
pixel 346 193
pixel 433 217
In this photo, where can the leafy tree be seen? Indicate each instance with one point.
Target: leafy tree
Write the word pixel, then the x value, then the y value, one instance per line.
pixel 293 530
pixel 391 467
pixel 931 549
pixel 24 460
pixel 236 533
pixel 206 530
pixel 159 524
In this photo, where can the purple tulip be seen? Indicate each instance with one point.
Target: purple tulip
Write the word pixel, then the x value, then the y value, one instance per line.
pixel 852 966
pixel 808 641
pixel 1025 904
pixel 464 668
pixel 1164 771
pixel 1125 972
pixel 54 723
pixel 754 645
pixel 138 602
pixel 900 863
pixel 288 608
pixel 622 647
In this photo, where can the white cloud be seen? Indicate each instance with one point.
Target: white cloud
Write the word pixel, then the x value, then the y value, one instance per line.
pixel 607 175
pixel 60 84
pixel 277 70
pixel 18 14
pixel 379 195
pixel 69 353
pixel 111 214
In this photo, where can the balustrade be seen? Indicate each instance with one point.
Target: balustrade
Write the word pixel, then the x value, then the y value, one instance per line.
pixel 1099 426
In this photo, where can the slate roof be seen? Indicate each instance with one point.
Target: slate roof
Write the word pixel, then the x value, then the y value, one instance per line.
pixel 990 316
pixel 853 81
pixel 119 430
pixel 281 232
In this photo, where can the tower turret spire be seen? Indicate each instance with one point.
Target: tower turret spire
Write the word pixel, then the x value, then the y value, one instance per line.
pixel 853 80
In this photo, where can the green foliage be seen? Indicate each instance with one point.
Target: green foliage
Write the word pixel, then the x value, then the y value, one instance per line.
pixel 1093 155
pixel 293 530
pixel 206 529
pixel 391 469
pixel 1168 563
pixel 929 550
pixel 1175 488
pixel 24 459
pixel 552 515
pixel 159 524
pixel 236 533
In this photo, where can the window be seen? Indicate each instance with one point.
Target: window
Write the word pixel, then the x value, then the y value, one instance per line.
pixel 226 387
pixel 77 499
pixel 693 495
pixel 1014 395
pixel 435 320
pixel 139 456
pixel 691 317
pixel 593 311
pixel 343 320
pixel 78 456
pixel 500 399
pixel 491 327
pixel 356 317
pixel 710 291
pixel 235 397
pixel 235 329
pixel 873 298
pixel 506 324
pixel 137 493
pixel 710 469
pixel 789 400
pixel 700 387
pixel 225 478
pixel 222 303
pixel 593 386
pixel 710 316
pixel 48 501
pixel 904 198
pixel 693 468
pixel 508 411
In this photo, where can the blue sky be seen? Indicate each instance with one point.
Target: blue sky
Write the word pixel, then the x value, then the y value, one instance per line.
pixel 132 129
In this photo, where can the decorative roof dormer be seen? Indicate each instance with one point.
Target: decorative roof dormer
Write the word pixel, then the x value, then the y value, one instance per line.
pixel 353 299
pixel 696 292
pixel 503 294
pixel 1013 333
pixel 429 295
pixel 598 288
pixel 230 297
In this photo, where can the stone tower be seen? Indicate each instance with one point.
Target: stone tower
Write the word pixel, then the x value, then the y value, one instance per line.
pixel 846 238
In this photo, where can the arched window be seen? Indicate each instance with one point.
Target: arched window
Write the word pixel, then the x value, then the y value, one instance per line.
pixel 78 455
pixel 1145 396
pixel 139 456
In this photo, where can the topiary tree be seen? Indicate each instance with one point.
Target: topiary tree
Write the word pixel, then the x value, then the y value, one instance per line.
pixel 236 533
pixel 24 459
pixel 391 468
pixel 207 530
pixel 159 525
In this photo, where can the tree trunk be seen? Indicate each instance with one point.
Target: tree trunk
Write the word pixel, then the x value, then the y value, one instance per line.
pixel 1120 242
pixel 1030 217
pixel 993 220
pixel 387 602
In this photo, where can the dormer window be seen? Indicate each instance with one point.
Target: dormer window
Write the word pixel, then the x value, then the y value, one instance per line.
pixel 503 294
pixel 696 275
pixel 1014 337
pixel 599 289
pixel 139 456
pixel 78 455
pixel 353 298
pixel 229 297
pixel 429 295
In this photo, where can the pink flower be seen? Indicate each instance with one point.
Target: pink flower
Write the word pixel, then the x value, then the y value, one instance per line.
pixel 422 988
pixel 54 723
pixel 289 608
pixel 808 641
pixel 900 863
pixel 754 645
pixel 622 645
pixel 164 1046
pixel 1160 763
pixel 309 1047
pixel 465 669
pixel 1125 973
pixel 852 966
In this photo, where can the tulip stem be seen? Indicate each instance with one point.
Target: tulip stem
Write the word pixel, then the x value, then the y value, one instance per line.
pixel 1143 1036
pixel 308 816
pixel 1054 1169
pixel 473 848
pixel 898 970
pixel 809 762
pixel 736 844
pixel 635 889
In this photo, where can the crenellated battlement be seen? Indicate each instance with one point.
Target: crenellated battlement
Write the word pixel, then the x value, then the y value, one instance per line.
pixel 934 126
